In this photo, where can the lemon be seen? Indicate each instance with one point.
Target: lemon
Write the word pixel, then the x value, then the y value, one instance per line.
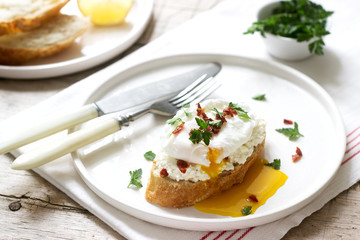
pixel 105 12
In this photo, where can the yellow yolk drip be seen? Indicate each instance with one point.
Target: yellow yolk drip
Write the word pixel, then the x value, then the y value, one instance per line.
pixel 260 183
pixel 214 168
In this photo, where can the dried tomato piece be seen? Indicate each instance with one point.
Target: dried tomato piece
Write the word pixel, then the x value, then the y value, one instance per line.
pixel 297 156
pixel 222 118
pixel 182 165
pixel 287 121
pixel 179 128
pixel 229 111
pixel 201 113
pixel 163 173
pixel 253 198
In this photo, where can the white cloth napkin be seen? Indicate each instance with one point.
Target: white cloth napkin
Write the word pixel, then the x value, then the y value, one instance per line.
pixel 220 31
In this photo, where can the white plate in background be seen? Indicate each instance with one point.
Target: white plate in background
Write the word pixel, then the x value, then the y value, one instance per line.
pixel 105 165
pixel 97 45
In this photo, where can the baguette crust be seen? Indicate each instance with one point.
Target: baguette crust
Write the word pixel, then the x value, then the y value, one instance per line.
pixel 32 19
pixel 167 192
pixel 51 38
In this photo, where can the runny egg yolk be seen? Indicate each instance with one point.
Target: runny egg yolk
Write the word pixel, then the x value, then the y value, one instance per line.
pixel 260 183
pixel 214 168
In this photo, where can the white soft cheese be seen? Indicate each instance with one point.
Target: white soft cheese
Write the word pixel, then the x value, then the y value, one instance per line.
pixel 237 139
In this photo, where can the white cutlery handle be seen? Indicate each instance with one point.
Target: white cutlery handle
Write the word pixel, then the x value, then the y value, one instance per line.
pixel 55 149
pixel 49 126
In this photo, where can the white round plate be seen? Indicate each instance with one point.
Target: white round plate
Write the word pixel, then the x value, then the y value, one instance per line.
pixel 96 46
pixel 105 165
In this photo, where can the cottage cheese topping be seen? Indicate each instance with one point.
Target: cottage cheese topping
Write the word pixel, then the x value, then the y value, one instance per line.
pixel 236 140
pixel 234 133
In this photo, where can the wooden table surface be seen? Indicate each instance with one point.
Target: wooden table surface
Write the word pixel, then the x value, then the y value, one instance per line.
pixel 31 208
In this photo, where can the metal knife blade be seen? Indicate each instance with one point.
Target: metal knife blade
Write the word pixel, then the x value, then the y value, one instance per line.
pixel 114 103
pixel 154 91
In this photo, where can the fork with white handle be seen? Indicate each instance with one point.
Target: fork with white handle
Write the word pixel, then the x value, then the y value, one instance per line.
pixel 33 158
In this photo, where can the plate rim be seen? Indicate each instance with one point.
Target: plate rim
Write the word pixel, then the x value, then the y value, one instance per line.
pixel 251 220
pixel 35 72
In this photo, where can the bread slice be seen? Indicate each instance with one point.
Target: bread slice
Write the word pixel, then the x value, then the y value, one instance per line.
pixel 26 15
pixel 51 38
pixel 167 192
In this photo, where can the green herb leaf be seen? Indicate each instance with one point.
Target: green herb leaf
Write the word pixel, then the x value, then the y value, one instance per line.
pixel 201 134
pixel 293 133
pixel 206 137
pixel 246 210
pixel 216 123
pixel 150 156
pixel 260 97
pixel 202 124
pixel 135 178
pixel 275 164
pixel 217 112
pixel 173 121
pixel 184 107
pixel 302 20
pixel 241 112
pixel 195 136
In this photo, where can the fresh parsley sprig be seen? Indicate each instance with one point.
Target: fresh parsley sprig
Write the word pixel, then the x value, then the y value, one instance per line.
pixel 246 210
pixel 275 164
pixel 217 112
pixel 135 178
pixel 241 112
pixel 302 20
pixel 293 133
pixel 185 107
pixel 201 134
pixel 149 155
pixel 174 121
pixel 260 97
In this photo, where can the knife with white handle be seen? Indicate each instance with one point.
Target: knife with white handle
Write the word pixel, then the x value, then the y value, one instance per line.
pixel 115 103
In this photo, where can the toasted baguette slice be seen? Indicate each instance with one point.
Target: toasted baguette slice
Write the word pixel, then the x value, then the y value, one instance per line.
pixel 167 192
pixel 51 38
pixel 25 15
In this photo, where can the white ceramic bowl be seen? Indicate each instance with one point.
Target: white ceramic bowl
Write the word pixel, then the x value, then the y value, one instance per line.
pixel 282 47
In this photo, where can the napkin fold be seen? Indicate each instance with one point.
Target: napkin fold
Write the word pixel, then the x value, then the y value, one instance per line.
pixel 220 31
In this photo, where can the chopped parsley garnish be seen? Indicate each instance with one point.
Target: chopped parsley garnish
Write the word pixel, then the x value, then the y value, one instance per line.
pixel 293 133
pixel 275 164
pixel 184 107
pixel 241 112
pixel 149 156
pixel 216 123
pixel 217 112
pixel 201 134
pixel 246 210
pixel 260 97
pixel 302 20
pixel 135 178
pixel 173 121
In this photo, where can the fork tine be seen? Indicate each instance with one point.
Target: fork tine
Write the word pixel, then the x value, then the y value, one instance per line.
pixel 200 95
pixel 198 89
pixel 190 87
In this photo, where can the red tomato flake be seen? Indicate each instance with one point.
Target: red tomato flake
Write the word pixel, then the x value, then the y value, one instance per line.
pixel 226 159
pixel 229 111
pixel 253 198
pixel 222 118
pixel 179 128
pixel 182 165
pixel 201 113
pixel 214 129
pixel 297 156
pixel 163 173
pixel 287 121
